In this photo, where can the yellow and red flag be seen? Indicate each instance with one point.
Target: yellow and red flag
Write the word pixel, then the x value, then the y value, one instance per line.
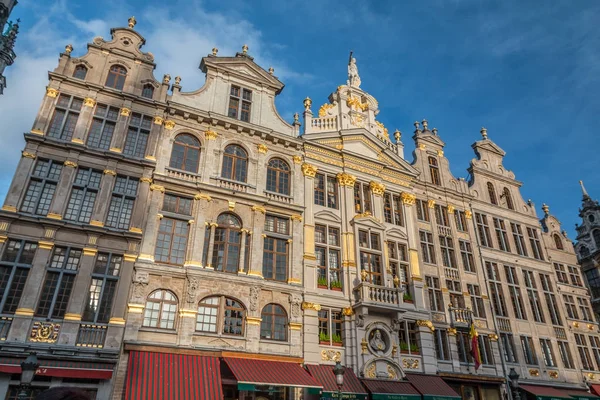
pixel 475 353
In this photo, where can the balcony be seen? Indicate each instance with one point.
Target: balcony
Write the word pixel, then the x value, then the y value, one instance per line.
pixel 182 175
pixel 91 335
pixel 444 230
pixel 232 185
pixel 278 197
pixel 5 323
pixel 452 273
pixel 376 295
pixel 460 317
pixel 503 324
pixel 560 333
pixel 324 124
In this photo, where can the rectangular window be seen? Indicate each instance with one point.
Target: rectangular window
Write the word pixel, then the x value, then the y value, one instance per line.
pixel 422 210
pixel 42 186
pixel 14 267
pixel 515 292
pixel 447 247
pixel 476 301
pixel 427 248
pixel 398 262
pixel 519 239
pixel 585 310
pixel 327 250
pixel 103 126
pixel 441 215
pixel 551 303
pixel 456 296
pixel 584 352
pixel 177 205
pixel 103 288
pixel 534 241
pixel 66 113
pixel 240 103
pixel 565 354
pixel 83 195
pixel 547 353
pixel 529 350
pixel 330 327
pixel 392 209
pixel 508 348
pixel 574 275
pixel 276 248
pixel 466 254
pixel 436 302
pixel 362 198
pixel 483 230
pixel 370 256
pixel 496 292
pixel 137 135
pixel 501 234
pixel 442 350
pixel 593 280
pixel 122 202
pixel 485 349
pixel 408 336
pixel 561 273
pixel 595 344
pixel 171 241
pixel 463 343
pixel 326 191
pixel 60 277
pixel 570 306
pixel 460 220
pixel 534 298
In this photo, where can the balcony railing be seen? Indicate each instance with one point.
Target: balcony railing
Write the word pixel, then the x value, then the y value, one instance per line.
pixel 5 323
pixel 91 335
pixel 323 124
pixel 444 230
pixel 451 273
pixel 460 317
pixel 369 293
pixel 182 175
pixel 278 197
pixel 503 324
pixel 560 333
pixel 232 185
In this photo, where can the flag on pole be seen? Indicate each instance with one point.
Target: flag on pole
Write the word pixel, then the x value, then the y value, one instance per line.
pixel 475 353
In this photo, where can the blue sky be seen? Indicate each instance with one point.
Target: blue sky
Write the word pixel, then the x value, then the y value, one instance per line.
pixel 528 72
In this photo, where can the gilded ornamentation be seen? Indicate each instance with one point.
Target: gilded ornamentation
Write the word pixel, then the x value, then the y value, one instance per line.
pixel 493 337
pixel 309 170
pixel 262 148
pixel 324 108
pixel 260 209
pixel 364 274
pixel 377 188
pixel 89 102
pixel 158 120
pixel 331 355
pixel 354 103
pixel 590 376
pixel 157 187
pixel 231 205
pixel 125 111
pixel 296 217
pixel 392 374
pixel 202 196
pixel 68 49
pixel 431 203
pixel 131 22
pixel 311 306
pixel 534 372
pixel 394 350
pixel 382 127
pixel 364 345
pixel 245 49
pixel 590 327
pixel 307 103
pixel 28 155
pixel 408 199
pixel 357 120
pixel 177 80
pixel 297 159
pixel 114 173
pixel 348 311
pixel 422 146
pixel 215 51
pixel 146 180
pixel 553 374
pixel 427 323
pixel 468 214
pixel 410 363
pixel 51 92
pixel 166 78
pixel 70 164
pixel 44 332
pixel 345 179
pixel 169 124
pixel 396 281
pixel 576 324
pixel 210 135
pixel 450 209
pixel 440 153
pixel 371 371
pixel 452 331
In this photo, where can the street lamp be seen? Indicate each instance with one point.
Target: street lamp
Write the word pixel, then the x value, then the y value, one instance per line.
pixel 514 383
pixel 28 368
pixel 339 370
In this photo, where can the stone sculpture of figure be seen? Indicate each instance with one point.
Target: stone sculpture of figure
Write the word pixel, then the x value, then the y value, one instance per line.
pixel 353 78
pixel 377 342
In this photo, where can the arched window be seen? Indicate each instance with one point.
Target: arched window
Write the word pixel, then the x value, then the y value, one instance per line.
pixel 278 176
pixel 558 242
pixel 274 323
pixel 221 314
pixel 148 91
pixel 227 244
pixel 80 72
pixel 161 309
pixel 185 153
pixel 235 163
pixel 596 236
pixel 508 197
pixel 434 171
pixel 492 193
pixel 116 77
pixel 584 252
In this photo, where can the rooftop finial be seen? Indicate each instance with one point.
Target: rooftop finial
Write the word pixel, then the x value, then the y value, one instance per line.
pixel 424 123
pixel 434 130
pixel 397 135
pixel 545 209
pixel 585 193
pixel 307 103
pixel 417 125
pixel 483 132
pixel 353 77
pixel 271 70
pixel 131 22
pixel 68 49
pixel 245 49
pixel 214 51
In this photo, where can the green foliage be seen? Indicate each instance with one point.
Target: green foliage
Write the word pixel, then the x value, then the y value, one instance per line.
pixel 414 348
pixel 407 297
pixel 323 337
pixel 322 281
pixel 403 346
pixel 336 284
pixel 336 338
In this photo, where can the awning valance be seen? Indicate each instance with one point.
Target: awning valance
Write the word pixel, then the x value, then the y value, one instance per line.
pixel 166 376
pixel 580 394
pixel 545 392
pixel 432 387
pixel 595 389
pixel 352 389
pixel 61 368
pixel 391 390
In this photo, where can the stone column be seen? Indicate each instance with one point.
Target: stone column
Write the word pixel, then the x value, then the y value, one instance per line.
pixel 45 113
pixel 155 134
pixel 19 182
pixel 118 139
pixel 139 215
pixel 79 293
pixel 61 196
pixel 413 254
pixel 309 171
pixel 104 197
pixel 346 183
pixel 196 247
pixel 295 252
pixel 122 295
pixel 83 121
pixel 149 238
pixel 245 233
pixel 258 227
pixel 378 189
pixel 426 334
pixel 453 347
pixel 311 329
pixel 211 245
pixel 210 162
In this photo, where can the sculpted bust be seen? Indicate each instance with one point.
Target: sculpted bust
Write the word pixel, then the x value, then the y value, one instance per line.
pixel 377 342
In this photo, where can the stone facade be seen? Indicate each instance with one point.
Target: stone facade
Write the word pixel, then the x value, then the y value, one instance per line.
pixel 146 219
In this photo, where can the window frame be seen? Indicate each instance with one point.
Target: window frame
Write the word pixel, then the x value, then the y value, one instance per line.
pixel 434 171
pixel 275 238
pixel 148 91
pixel 18 272
pixel 496 291
pixel 483 230
pixel 434 291
pixel 233 162
pixel 105 276
pixel 519 239
pixel 508 348
pixel 534 297
pixel 86 189
pixel 548 353
pixel 222 309
pixel 223 249
pixel 371 255
pixel 477 304
pixel 427 247
pixel 273 323
pixel 492 193
pixel 102 127
pixel 326 248
pixel 47 185
pixel 162 301
pixel 242 101
pixel 65 129
pixel 393 211
pixel 501 234
pixel 118 77
pixel 324 195
pixel 514 290
pixel 448 253
pixel 529 353
pixel 409 335
pixel 564 349
pixel 77 69
pixel 179 222
pixel 330 323
pixel 551 303
pixel 123 197
pixel 422 210
pixel 279 175
pixel 441 345
pixel 363 198
pixel 460 220
pixel 138 135
pixel 466 255
pixel 534 241
pixel 188 150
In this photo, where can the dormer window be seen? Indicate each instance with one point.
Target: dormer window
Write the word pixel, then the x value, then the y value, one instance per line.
pixel 492 193
pixel 116 77
pixel 80 72
pixel 434 171
pixel 240 103
pixel 148 91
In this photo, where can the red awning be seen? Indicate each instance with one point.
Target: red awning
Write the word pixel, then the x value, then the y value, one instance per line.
pixel 273 373
pixel 379 387
pixel 325 376
pixel 166 376
pixel 431 385
pixel 545 391
pixel 580 394
pixel 595 389
pixel 60 368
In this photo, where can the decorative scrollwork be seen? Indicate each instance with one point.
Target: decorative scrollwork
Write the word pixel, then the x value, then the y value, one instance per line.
pixel 44 332
pixel 331 355
pixel 410 363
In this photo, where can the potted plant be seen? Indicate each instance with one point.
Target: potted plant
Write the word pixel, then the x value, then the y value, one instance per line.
pixel 403 347
pixel 407 298
pixel 336 339
pixel 336 285
pixel 414 349
pixel 322 282
pixel 323 338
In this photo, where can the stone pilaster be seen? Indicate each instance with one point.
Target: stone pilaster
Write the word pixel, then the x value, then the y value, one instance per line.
pixel 346 184
pixel 309 171
pixel 155 134
pixel 258 223
pixel 427 349
pixel 45 113
pixel 79 293
pixel 295 250
pixel 198 232
pixel 83 121
pixel 104 197
pixel 211 245
pixel 149 238
pixel 118 139
pixel 378 189
pixel 139 210
pixel 209 164
pixel 245 234
pixel 19 182
pixel 61 197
